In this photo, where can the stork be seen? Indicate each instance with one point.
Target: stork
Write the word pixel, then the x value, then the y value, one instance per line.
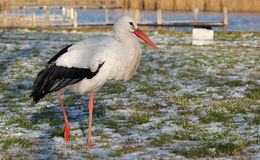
pixel 87 65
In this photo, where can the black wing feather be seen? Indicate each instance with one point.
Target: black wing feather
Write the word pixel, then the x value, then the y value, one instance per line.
pixel 54 78
pixel 61 52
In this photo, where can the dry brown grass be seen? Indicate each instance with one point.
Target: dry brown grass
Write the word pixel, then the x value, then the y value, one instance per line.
pixel 171 5
pixel 14 20
pixel 4 5
pixel 149 4
pixel 166 5
pixel 59 2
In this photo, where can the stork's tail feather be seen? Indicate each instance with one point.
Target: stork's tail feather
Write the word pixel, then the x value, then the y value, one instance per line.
pixel 38 91
pixel 36 96
pixel 54 78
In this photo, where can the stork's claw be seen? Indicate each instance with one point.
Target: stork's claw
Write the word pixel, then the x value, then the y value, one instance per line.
pixel 66 133
pixel 89 144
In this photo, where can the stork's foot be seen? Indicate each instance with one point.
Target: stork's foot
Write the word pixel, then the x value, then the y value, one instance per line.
pixel 66 133
pixel 89 144
pixel 89 139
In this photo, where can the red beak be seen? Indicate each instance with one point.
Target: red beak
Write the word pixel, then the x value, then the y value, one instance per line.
pixel 141 35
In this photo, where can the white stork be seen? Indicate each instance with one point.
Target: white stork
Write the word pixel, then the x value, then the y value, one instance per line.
pixel 86 65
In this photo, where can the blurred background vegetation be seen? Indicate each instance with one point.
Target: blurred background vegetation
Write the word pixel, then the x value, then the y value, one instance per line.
pixel 167 5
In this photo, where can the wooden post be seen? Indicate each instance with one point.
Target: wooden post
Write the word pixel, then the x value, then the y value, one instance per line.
pixel 75 20
pixel 137 16
pixel 225 12
pixel 159 16
pixel 63 10
pixel 72 14
pixel 67 12
pixel 5 17
pixel 106 16
pixel 47 15
pixel 33 19
pixel 196 14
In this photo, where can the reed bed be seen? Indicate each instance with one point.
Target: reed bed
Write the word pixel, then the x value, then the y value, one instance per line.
pixel 168 5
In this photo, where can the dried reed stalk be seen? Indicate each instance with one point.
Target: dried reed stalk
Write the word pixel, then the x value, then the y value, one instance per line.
pixel 170 5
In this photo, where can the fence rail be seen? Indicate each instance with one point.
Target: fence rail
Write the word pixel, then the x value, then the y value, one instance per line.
pixel 70 16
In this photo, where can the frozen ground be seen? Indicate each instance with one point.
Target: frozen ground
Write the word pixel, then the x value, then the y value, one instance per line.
pixel 185 102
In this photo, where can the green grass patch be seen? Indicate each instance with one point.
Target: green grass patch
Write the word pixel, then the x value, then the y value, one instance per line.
pixel 233 83
pixel 157 125
pixel 75 146
pixel 197 152
pixel 24 97
pixel 211 145
pixel 114 87
pixel 90 156
pixel 110 123
pixel 139 118
pixel 255 120
pixel 184 75
pixel 125 149
pixel 103 137
pixel 234 105
pixel 56 132
pixel 178 100
pixel 162 140
pixel 23 123
pixel 151 109
pixel 148 89
pixel 225 110
pixel 215 116
pixel 226 147
pixel 212 149
pixel 253 93
pixel 7 142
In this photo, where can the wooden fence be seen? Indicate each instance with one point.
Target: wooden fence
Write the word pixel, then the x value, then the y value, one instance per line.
pixel 69 14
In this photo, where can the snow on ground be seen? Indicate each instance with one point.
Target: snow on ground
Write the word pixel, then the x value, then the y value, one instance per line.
pixel 185 101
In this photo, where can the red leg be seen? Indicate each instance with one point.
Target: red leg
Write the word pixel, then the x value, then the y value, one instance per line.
pixel 67 125
pixel 90 107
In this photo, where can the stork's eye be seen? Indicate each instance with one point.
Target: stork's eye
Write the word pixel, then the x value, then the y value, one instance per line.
pixel 131 24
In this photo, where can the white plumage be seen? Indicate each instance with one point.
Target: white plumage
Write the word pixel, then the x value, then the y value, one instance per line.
pixel 120 60
pixel 120 52
pixel 86 65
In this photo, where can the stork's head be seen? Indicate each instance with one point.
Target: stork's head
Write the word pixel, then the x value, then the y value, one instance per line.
pixel 126 24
